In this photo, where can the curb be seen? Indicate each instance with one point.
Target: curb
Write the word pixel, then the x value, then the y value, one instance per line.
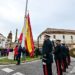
pixel 21 63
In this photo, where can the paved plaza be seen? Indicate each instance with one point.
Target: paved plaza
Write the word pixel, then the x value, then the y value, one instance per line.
pixel 32 68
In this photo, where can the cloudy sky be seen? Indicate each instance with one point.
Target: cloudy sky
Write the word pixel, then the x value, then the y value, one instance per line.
pixel 43 14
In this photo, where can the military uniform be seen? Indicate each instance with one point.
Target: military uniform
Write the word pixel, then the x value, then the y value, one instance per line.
pixel 64 54
pixel 19 55
pixel 58 58
pixel 47 57
pixel 68 56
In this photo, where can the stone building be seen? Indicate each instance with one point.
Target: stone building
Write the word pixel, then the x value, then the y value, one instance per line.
pixel 2 41
pixel 10 43
pixel 65 35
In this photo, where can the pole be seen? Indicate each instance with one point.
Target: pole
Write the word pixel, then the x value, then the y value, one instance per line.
pixel 38 43
pixel 25 15
pixel 26 8
pixel 16 35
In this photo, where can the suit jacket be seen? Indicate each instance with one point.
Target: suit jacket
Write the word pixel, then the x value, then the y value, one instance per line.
pixel 47 51
pixel 58 52
pixel 64 51
pixel 19 50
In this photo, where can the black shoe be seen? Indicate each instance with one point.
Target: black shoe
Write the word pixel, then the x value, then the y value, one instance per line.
pixel 64 70
pixel 17 64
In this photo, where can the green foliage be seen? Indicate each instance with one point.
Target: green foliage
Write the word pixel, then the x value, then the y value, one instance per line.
pixel 5 61
pixel 37 52
pixel 72 52
pixel 1 49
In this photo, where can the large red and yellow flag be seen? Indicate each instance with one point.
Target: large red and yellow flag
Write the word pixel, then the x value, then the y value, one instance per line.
pixel 27 36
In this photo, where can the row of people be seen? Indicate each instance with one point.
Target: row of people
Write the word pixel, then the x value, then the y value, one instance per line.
pixel 61 56
pixel 5 51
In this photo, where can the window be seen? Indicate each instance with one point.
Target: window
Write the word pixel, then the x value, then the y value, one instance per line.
pixel 71 37
pixel 63 37
pixel 54 36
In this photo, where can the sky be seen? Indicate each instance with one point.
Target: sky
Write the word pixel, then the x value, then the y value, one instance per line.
pixel 43 14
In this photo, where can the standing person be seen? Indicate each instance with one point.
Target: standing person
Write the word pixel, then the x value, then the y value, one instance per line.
pixel 8 50
pixel 24 54
pixel 64 54
pixel 68 59
pixel 19 54
pixel 58 57
pixel 15 52
pixel 47 57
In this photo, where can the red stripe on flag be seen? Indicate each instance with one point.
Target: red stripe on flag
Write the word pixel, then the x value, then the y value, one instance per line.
pixel 21 37
pixel 31 38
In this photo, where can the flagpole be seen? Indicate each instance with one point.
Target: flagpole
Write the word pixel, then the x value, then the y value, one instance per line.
pixel 26 8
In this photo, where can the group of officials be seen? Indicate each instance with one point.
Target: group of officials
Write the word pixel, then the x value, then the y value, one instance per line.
pixel 61 56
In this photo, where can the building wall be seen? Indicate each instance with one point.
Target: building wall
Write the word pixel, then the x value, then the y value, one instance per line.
pixel 2 41
pixel 67 38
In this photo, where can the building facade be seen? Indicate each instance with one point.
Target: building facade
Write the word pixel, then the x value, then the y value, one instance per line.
pixel 2 41
pixel 65 35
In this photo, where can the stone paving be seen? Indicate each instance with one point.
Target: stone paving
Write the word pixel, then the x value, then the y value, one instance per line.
pixel 32 68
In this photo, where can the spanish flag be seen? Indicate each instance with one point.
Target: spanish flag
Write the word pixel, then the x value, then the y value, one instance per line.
pixel 27 36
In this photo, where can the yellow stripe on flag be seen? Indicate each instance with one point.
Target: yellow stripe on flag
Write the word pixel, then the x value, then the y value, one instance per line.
pixel 28 37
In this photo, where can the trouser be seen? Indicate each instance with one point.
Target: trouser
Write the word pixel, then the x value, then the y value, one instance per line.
pixel 47 68
pixel 64 64
pixel 58 66
pixel 18 60
pixel 69 60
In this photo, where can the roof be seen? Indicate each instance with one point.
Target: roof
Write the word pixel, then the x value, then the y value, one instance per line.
pixel 2 35
pixel 56 31
pixel 62 30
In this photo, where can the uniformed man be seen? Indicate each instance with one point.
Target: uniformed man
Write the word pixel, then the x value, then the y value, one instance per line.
pixel 64 55
pixel 68 59
pixel 19 54
pixel 47 57
pixel 58 57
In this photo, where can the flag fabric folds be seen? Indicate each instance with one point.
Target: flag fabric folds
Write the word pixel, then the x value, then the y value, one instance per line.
pixel 26 37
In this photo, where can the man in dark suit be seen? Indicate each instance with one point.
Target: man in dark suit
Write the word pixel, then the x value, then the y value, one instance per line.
pixel 64 55
pixel 47 57
pixel 68 59
pixel 19 54
pixel 58 57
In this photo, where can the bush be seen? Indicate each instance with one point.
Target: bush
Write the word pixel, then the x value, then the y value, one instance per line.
pixel 72 52
pixel 37 52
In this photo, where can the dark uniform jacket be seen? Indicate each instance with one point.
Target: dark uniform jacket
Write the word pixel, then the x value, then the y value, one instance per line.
pixel 64 51
pixel 67 51
pixel 58 52
pixel 47 51
pixel 19 50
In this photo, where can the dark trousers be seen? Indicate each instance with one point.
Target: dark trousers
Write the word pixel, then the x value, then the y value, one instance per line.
pixel 69 60
pixel 64 64
pixel 18 59
pixel 58 65
pixel 47 68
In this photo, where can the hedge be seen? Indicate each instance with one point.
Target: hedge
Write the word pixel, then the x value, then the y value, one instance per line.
pixel 72 52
